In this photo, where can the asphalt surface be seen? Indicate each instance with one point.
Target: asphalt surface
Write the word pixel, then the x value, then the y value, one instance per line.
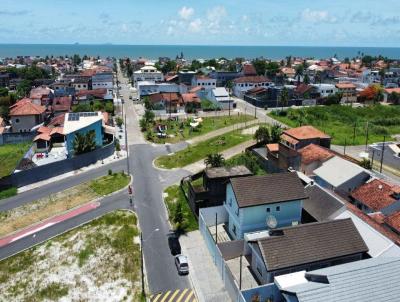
pixel 148 186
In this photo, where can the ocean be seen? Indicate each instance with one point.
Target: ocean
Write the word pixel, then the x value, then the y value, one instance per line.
pixel 192 51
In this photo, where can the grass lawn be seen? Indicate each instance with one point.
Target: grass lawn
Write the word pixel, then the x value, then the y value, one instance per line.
pixel 174 195
pixel 10 155
pixel 100 259
pixel 8 192
pixel 341 121
pixel 198 151
pixel 36 211
pixel 209 124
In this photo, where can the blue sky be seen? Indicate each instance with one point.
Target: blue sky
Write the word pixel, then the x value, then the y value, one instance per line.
pixel 204 22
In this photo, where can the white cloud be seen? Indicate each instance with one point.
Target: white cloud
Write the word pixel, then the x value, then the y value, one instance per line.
pixel 216 13
pixel 196 25
pixel 317 16
pixel 186 12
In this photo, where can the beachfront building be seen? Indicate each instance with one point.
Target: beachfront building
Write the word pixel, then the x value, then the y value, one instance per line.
pixel 147 73
pixel 243 84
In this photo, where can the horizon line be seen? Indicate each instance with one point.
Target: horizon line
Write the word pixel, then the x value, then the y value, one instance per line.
pixel 199 45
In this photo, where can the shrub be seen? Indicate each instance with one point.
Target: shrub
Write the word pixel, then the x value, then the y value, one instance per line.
pixel 110 172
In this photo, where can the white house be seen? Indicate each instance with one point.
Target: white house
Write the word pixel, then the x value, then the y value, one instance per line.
pixel 147 73
pixel 150 87
pixel 220 97
pixel 243 84
pixel 104 80
pixel 204 82
pixel 325 89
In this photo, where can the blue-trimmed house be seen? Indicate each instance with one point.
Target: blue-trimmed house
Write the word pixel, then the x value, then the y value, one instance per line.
pixel 256 203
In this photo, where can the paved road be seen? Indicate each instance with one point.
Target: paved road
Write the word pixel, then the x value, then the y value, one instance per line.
pixel 43 191
pixel 108 204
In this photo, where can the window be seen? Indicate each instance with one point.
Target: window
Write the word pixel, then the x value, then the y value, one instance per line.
pixel 268 210
pixel 17 120
pixel 278 208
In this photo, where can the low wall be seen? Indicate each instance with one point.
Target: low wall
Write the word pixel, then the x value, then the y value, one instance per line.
pixel 40 173
pixel 17 137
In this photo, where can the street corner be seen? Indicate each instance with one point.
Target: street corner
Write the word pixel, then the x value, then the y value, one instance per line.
pixel 178 295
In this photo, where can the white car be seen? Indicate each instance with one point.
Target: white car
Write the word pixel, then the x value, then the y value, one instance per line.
pixel 182 264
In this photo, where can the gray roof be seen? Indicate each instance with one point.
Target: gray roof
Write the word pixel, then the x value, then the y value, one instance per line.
pixel 266 189
pixel 321 205
pixel 336 171
pixel 227 172
pixel 312 242
pixel 375 279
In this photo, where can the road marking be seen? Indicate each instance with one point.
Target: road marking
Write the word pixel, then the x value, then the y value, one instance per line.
pixel 155 298
pixel 182 295
pixel 165 296
pixel 171 299
pixel 189 296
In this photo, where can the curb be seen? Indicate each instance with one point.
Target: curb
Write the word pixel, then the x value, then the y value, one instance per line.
pixel 98 199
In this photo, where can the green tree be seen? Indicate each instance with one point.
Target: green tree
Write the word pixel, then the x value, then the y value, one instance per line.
pixel 284 97
pixel 149 116
pixel 272 69
pixel 168 67
pixel 394 98
pixel 299 72
pixel 179 217
pixel 262 135
pixel 260 66
pixel 196 65
pixel 119 121
pixel 306 79
pixel 214 160
pixel 23 88
pixel 84 142
pixel 333 99
pixel 276 132
pixel 147 104
pixel 366 164
pixel 3 91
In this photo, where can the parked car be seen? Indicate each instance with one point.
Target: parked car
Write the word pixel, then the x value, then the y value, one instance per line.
pixel 174 245
pixel 182 264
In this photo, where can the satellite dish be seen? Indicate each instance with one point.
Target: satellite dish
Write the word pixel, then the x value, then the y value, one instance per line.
pixel 271 222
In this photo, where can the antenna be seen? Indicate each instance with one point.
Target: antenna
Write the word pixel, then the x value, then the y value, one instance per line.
pixel 272 222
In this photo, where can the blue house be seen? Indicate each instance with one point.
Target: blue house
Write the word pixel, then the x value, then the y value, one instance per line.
pixel 261 202
pixel 82 122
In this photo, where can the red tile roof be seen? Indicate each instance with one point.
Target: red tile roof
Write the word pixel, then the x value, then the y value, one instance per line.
pixel 42 136
pixel 190 98
pixel 375 194
pixel 62 103
pixel 158 97
pixel 256 90
pixel 302 88
pixel 39 92
pixel 312 153
pixel 273 147
pixel 105 117
pixel 249 70
pixel 306 132
pixel 390 90
pixel 26 107
pixel 394 221
pixel 100 93
pixel 195 89
pixel 58 120
pixel 346 86
pixel 253 79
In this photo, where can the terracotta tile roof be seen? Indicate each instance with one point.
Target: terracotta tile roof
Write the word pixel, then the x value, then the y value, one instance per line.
pixel 26 107
pixel 390 90
pixel 249 70
pixel 256 90
pixel 345 86
pixel 380 228
pixel 266 189
pixel 44 129
pixel 305 132
pixel 62 103
pixel 58 120
pixel 100 93
pixel 302 88
pixel 289 139
pixel 252 79
pixel 158 97
pixel 288 70
pixel 42 136
pixel 272 147
pixel 171 78
pixel 394 221
pixel 311 242
pixel 312 153
pixel 190 98
pixel 375 194
pixel 105 117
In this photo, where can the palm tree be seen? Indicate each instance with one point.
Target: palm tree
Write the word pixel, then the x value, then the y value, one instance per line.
pixel 276 132
pixel 299 72
pixel 284 97
pixel 84 143
pixel 214 160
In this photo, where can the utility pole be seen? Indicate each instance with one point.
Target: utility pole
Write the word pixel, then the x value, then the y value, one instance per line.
pixel 372 160
pixel 366 138
pixel 240 272
pixel 344 147
pixel 216 226
pixel 383 150
pixel 354 134
pixel 141 263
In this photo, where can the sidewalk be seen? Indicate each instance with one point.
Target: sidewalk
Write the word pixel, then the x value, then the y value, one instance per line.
pixel 203 274
pixel 199 165
pixel 221 131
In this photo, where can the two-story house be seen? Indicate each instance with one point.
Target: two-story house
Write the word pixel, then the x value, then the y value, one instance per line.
pixel 204 82
pixel 348 92
pixel 256 203
pixel 306 247
pixel 24 115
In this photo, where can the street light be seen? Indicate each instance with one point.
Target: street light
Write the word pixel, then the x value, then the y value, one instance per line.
pixel 141 256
